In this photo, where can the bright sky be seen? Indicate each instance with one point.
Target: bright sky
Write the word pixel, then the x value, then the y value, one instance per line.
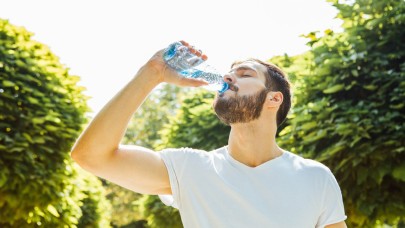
pixel 105 42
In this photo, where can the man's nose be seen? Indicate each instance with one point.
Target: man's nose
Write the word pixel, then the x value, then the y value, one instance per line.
pixel 229 78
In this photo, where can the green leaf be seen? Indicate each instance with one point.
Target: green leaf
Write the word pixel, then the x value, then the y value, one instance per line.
pixel 3 179
pixel 328 32
pixel 361 175
pixel 53 210
pixel 355 73
pixel 370 87
pixel 39 140
pixel 51 128
pixel 33 100
pixel 331 151
pixel 7 83
pixel 28 137
pixel 17 149
pixel 397 106
pixel 38 120
pixel 308 126
pixel 399 173
pixel 334 89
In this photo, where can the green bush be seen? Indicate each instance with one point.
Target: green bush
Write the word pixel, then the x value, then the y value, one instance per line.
pixel 157 214
pixel 349 111
pixel 124 209
pixel 42 113
pixel 96 209
pixel 195 125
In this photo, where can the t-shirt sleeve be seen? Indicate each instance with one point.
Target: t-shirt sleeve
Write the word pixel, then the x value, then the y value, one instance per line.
pixel 332 208
pixel 176 161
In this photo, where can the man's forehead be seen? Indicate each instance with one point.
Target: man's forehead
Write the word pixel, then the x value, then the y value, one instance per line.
pixel 252 65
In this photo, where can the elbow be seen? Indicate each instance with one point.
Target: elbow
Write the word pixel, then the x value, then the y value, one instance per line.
pixel 80 158
pixel 78 154
pixel 74 154
pixel 89 158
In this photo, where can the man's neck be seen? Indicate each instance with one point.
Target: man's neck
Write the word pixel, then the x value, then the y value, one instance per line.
pixel 253 144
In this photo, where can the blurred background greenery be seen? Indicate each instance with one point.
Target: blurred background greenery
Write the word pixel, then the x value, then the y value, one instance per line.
pixel 348 113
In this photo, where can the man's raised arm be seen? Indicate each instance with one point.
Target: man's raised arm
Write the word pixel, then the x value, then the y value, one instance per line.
pixel 98 150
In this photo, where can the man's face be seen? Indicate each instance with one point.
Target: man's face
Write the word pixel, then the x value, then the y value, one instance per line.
pixel 245 99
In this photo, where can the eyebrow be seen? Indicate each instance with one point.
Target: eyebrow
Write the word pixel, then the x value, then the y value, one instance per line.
pixel 242 68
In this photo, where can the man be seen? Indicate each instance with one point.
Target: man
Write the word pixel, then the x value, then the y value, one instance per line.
pixel 249 183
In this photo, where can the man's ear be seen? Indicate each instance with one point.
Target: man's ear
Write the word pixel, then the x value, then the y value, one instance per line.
pixel 274 99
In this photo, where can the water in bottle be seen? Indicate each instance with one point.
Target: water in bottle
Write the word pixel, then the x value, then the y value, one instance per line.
pixel 178 57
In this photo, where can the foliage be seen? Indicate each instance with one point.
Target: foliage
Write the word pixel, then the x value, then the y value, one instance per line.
pixel 124 208
pixel 296 68
pixel 195 125
pixel 350 111
pixel 145 125
pixel 96 209
pixel 42 111
pixel 157 214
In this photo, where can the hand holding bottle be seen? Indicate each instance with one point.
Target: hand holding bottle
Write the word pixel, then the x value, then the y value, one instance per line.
pixel 169 75
pixel 191 64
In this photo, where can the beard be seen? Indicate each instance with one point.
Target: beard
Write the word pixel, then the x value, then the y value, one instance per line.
pixel 242 109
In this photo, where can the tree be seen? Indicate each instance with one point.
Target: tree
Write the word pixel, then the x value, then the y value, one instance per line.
pixel 157 214
pixel 154 113
pixel 124 209
pixel 42 113
pixel 95 207
pixel 350 111
pixel 195 125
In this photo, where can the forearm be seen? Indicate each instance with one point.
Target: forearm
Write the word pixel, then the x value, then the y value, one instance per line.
pixel 99 142
pixel 103 135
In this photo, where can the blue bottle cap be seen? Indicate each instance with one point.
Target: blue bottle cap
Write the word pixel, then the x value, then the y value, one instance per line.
pixel 224 88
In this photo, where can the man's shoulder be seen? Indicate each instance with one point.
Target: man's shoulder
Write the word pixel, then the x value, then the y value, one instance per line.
pixel 190 153
pixel 306 164
pixel 191 158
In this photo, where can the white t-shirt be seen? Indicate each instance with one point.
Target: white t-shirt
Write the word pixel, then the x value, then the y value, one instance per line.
pixel 215 190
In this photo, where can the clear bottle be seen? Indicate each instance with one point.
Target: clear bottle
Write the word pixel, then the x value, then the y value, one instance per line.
pixel 178 57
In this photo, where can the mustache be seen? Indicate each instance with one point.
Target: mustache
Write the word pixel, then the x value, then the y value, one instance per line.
pixel 233 87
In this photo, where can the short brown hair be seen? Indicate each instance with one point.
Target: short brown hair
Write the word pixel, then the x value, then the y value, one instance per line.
pixel 276 80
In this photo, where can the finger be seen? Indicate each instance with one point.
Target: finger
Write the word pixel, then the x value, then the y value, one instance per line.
pixel 198 52
pixel 194 61
pixel 192 50
pixel 193 82
pixel 195 51
pixel 184 43
pixel 182 49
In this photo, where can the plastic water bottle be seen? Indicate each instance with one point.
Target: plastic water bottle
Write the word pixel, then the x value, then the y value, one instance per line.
pixel 179 58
